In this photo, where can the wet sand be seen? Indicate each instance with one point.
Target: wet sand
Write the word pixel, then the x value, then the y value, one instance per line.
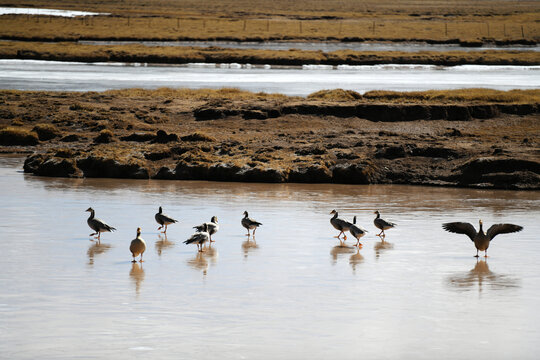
pixel 419 295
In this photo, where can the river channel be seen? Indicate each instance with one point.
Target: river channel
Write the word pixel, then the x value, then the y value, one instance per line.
pixel 300 81
pixel 292 290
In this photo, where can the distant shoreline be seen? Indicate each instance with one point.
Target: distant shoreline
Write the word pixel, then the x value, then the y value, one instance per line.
pixel 181 55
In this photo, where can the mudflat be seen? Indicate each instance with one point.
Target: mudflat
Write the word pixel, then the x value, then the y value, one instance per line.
pixel 472 138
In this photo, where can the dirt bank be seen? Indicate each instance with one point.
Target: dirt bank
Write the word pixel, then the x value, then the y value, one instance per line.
pixel 475 139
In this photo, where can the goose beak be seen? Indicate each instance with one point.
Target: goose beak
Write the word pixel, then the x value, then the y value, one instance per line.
pixel 89 209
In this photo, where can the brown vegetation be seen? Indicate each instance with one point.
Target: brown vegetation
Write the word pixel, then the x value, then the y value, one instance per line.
pixel 182 55
pixel 483 138
pixel 502 21
pixel 16 136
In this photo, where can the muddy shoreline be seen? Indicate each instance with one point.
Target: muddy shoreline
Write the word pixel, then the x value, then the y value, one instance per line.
pixel 239 136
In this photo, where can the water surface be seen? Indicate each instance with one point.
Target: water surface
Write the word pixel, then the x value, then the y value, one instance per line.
pixel 74 76
pixel 47 12
pixel 293 293
pixel 323 46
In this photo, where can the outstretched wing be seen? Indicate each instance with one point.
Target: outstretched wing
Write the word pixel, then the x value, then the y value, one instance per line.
pixel 497 229
pixel 461 228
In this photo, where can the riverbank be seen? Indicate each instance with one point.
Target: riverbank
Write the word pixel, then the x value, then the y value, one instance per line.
pixel 473 138
pixel 183 55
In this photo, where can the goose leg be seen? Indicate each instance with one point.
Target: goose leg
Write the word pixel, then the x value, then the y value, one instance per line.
pixel 485 255
pixel 476 254
pixel 141 258
pixel 254 231
pixel 159 228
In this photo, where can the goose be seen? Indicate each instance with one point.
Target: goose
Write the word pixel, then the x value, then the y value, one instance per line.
pixel 357 231
pixel 382 224
pixel 138 246
pixel 481 240
pixel 164 220
pixel 213 227
pixel 199 238
pixel 97 225
pixel 249 223
pixel 339 224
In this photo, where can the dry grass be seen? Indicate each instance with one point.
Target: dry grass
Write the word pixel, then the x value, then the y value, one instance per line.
pixel 436 20
pixel 196 94
pixel 335 95
pixel 18 136
pixel 460 95
pixel 178 55
pixel 46 131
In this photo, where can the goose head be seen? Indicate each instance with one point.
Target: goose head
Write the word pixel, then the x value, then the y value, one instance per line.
pixel 138 231
pixel 214 219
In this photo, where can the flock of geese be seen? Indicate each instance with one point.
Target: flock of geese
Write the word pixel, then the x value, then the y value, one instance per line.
pixel 205 231
pixel 202 235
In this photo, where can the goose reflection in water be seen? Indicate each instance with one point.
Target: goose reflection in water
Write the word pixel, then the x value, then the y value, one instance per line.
pixel 162 243
pixel 249 245
pixel 199 262
pixel 95 249
pixel 211 254
pixel 137 275
pixel 481 274
pixel 356 259
pixel 339 250
pixel 382 246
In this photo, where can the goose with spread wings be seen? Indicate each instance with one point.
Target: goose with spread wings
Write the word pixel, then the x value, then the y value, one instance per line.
pixel 481 240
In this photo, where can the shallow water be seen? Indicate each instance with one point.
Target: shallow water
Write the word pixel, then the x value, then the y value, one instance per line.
pixel 323 46
pixel 292 293
pixel 47 12
pixel 301 81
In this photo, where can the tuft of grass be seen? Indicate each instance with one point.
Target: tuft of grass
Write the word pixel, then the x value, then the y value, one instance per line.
pixel 17 136
pixel 105 136
pixel 335 95
pixel 46 131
